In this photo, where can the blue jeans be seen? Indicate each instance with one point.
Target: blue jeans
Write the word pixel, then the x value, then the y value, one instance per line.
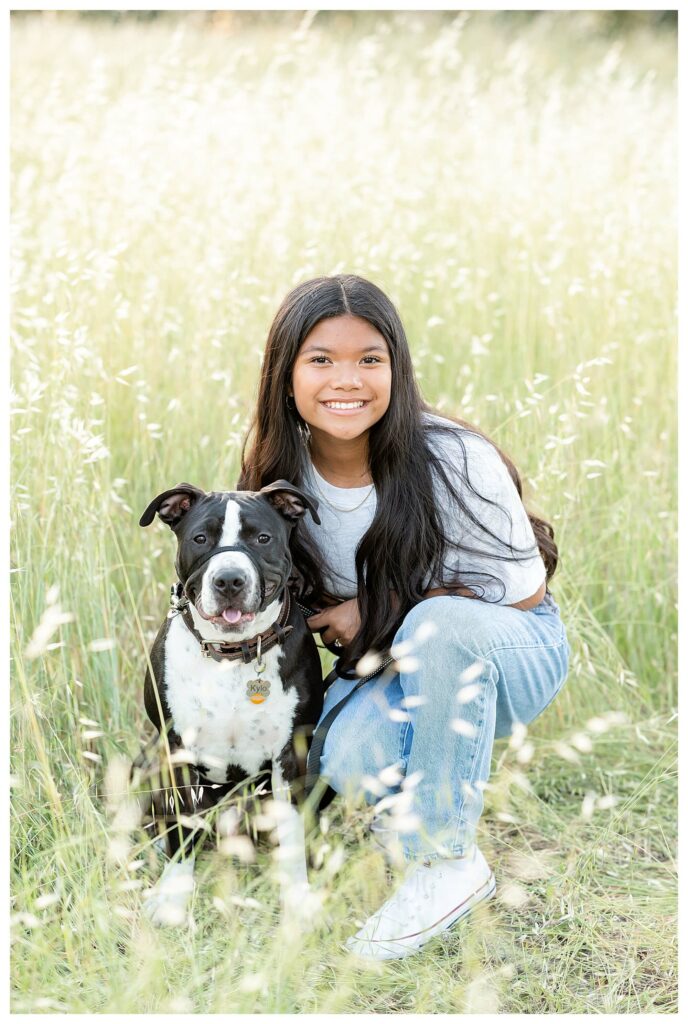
pixel 469 672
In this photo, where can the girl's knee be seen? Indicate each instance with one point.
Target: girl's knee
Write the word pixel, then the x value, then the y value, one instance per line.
pixel 354 753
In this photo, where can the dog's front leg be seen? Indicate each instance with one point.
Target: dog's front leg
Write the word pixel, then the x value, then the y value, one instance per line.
pixel 175 793
pixel 291 851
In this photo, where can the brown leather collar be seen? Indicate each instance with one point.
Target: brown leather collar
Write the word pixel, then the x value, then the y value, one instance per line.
pixel 245 649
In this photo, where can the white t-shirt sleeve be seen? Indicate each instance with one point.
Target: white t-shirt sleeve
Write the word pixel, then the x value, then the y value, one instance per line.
pixel 507 519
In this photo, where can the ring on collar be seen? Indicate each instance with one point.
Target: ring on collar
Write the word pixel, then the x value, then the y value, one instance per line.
pixel 260 664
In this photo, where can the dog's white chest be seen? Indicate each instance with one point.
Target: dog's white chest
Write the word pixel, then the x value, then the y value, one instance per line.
pixel 211 709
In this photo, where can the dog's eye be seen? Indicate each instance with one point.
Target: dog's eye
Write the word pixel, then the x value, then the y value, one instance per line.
pixel 199 538
pixel 263 538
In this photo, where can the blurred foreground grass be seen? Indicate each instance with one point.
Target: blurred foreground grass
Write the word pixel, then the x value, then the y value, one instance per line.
pixel 512 187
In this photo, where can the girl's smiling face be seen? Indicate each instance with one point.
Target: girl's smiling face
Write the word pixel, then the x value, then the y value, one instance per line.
pixel 343 362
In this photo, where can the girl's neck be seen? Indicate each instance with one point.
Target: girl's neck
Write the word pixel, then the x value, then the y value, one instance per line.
pixel 341 463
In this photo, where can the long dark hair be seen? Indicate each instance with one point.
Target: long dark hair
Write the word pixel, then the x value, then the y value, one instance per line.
pixel 405 544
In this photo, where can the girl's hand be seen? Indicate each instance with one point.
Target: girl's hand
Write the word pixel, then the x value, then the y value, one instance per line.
pixel 338 622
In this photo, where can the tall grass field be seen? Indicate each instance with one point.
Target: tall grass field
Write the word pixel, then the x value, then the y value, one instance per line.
pixel 510 182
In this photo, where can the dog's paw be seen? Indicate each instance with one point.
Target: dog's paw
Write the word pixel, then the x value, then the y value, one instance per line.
pixel 166 904
pixel 301 907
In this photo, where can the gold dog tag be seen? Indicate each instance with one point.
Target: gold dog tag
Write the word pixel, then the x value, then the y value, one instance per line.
pixel 257 690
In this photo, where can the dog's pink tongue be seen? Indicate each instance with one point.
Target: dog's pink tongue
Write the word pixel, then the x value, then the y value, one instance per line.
pixel 231 615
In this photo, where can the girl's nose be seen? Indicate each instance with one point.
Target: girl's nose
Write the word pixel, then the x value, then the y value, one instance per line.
pixel 351 377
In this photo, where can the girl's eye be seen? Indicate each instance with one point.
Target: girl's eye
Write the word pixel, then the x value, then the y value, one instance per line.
pixel 199 538
pixel 263 538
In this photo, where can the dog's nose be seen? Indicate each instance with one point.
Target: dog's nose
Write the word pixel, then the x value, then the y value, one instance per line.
pixel 229 582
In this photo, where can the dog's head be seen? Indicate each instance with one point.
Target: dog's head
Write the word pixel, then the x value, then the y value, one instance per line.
pixel 230 587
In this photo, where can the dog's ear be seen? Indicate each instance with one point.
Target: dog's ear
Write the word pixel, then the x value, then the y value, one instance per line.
pixel 290 501
pixel 172 505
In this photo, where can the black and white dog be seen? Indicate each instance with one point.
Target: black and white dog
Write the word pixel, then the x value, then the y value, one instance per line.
pixel 236 680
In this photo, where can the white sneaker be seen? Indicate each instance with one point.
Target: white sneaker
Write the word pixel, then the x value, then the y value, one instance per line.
pixel 431 899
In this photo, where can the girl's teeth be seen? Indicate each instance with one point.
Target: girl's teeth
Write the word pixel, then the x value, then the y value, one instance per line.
pixel 344 405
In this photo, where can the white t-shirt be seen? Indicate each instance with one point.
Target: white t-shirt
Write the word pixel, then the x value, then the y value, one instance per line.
pixel 340 531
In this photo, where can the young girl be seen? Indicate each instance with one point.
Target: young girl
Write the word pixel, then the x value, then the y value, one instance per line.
pixel 424 546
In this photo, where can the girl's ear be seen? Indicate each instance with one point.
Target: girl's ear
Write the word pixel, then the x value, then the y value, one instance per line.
pixel 290 501
pixel 172 505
